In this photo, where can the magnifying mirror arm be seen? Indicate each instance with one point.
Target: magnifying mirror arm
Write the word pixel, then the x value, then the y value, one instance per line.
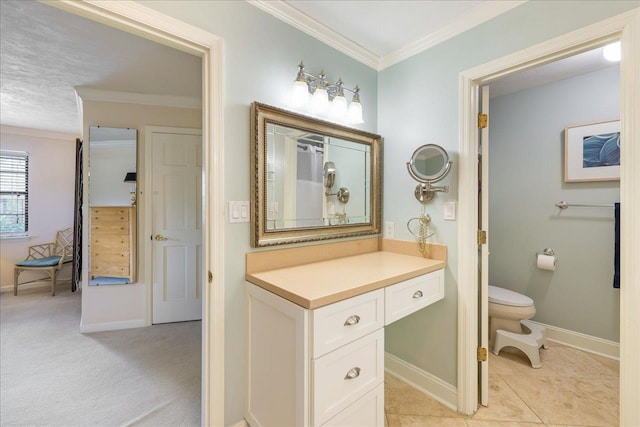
pixel 425 192
pixel 342 194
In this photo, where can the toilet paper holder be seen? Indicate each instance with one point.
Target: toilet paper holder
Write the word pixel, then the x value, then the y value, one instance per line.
pixel 548 251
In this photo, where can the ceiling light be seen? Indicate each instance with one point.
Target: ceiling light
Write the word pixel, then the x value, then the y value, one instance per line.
pixel 322 98
pixel 612 52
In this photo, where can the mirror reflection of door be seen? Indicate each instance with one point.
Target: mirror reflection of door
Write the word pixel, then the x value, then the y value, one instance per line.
pixel 112 205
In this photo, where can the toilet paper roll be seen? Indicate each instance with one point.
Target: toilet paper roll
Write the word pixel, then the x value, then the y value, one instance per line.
pixel 547 262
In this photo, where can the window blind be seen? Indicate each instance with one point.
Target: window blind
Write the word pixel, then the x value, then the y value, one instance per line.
pixel 14 193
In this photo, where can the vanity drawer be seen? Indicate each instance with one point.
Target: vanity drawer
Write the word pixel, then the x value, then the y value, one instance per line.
pixel 338 324
pixel 409 296
pixel 367 411
pixel 346 374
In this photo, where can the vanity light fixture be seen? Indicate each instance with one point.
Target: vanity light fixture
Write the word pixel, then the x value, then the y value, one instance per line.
pixel 612 52
pixel 323 98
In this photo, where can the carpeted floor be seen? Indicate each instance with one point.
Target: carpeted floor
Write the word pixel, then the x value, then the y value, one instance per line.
pixel 51 375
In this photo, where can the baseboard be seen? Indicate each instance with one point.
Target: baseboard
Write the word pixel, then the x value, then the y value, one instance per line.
pixel 427 383
pixel 40 284
pixel 111 326
pixel 242 423
pixel 588 343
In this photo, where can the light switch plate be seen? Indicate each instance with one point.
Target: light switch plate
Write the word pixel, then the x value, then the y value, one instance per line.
pixel 239 211
pixel 389 230
pixel 450 211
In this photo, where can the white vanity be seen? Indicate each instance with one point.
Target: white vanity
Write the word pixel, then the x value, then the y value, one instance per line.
pixel 315 336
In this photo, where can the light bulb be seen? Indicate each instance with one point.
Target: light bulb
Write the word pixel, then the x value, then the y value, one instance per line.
pixel 612 52
pixel 354 113
pixel 320 101
pixel 299 94
pixel 338 108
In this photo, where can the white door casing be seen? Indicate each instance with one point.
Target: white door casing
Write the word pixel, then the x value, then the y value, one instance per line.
pixel 176 188
pixel 625 27
pixel 483 301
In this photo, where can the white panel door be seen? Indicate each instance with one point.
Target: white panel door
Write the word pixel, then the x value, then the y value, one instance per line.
pixel 177 225
pixel 483 297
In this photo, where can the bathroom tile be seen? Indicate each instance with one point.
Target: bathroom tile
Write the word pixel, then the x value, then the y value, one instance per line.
pixel 508 363
pixel 477 423
pixel 386 421
pixel 403 399
pixel 563 400
pixel 565 425
pixel 612 364
pixel 424 421
pixel 570 362
pixel 604 392
pixel 504 404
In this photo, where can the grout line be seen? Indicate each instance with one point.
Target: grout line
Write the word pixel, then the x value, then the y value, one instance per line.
pixel 523 401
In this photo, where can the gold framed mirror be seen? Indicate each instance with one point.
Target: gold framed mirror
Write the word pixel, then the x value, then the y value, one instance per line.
pixel 312 179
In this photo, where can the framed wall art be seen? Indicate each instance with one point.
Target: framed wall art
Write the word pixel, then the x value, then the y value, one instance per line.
pixel 592 152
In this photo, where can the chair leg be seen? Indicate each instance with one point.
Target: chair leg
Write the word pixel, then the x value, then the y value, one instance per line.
pixel 16 273
pixel 53 283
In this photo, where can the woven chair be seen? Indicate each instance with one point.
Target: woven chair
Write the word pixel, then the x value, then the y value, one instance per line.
pixel 47 258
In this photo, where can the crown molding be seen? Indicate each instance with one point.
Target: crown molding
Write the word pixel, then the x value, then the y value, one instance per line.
pixel 306 24
pixel 477 16
pixel 91 94
pixel 38 133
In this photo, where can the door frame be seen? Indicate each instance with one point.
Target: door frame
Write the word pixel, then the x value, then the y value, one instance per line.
pixel 142 21
pixel 625 27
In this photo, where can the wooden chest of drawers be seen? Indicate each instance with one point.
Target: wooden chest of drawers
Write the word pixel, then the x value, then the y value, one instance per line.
pixel 112 241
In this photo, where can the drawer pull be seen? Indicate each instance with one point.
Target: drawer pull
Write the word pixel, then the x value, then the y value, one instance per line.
pixel 352 320
pixel 353 373
pixel 417 295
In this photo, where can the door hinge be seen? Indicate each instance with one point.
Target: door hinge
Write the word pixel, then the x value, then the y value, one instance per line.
pixel 210 277
pixel 482 237
pixel 482 354
pixel 483 120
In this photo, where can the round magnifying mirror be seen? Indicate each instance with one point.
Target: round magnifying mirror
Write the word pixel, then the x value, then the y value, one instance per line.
pixel 429 163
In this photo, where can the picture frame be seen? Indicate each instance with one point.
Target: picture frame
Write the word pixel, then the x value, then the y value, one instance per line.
pixel 592 152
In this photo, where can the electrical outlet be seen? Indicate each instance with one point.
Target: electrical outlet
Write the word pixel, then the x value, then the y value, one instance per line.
pixel 389 230
pixel 450 211
pixel 331 209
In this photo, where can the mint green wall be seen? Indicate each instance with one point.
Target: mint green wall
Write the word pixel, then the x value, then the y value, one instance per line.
pixel 418 104
pixel 526 154
pixel 261 54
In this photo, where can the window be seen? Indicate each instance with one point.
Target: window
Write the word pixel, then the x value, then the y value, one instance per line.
pixel 14 193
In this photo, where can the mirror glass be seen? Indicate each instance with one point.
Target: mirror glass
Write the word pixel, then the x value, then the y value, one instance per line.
pixel 313 180
pixel 429 163
pixel 112 205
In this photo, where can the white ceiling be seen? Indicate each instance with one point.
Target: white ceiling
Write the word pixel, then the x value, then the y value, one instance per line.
pixel 47 52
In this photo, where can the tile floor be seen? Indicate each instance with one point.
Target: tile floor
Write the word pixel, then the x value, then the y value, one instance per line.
pixel 573 388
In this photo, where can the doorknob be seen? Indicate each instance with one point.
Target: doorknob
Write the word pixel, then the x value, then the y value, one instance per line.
pixel 160 237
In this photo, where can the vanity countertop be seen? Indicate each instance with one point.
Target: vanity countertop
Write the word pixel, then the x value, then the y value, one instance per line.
pixel 325 282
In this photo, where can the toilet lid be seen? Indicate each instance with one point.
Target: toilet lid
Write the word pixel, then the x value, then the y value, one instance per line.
pixel 505 296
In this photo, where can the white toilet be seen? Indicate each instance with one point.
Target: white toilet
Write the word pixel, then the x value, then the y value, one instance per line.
pixel 509 312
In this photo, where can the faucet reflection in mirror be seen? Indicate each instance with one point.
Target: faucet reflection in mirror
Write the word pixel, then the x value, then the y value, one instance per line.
pixel 130 177
pixel 320 97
